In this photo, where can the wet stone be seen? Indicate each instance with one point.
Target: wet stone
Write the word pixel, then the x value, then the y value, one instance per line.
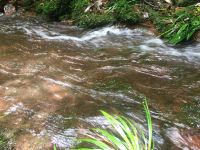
pixel 9 9
pixel 185 138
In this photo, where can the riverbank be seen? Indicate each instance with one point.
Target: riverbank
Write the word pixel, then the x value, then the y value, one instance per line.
pixel 174 21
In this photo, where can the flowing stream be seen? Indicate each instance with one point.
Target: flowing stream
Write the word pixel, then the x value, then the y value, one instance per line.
pixel 54 79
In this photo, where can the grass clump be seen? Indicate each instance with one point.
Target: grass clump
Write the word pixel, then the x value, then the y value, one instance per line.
pixel 185 24
pixel 177 25
pixel 125 134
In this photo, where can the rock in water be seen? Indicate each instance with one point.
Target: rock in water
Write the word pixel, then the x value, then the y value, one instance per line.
pixel 9 9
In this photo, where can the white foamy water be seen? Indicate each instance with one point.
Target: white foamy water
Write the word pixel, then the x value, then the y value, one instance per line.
pixel 14 108
pixel 111 36
pixel 102 32
pixel 191 52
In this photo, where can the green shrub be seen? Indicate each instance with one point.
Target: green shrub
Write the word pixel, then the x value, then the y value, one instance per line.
pixel 53 9
pixel 186 23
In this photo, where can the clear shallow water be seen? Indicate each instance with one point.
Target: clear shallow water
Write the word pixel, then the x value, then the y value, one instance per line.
pixel 55 78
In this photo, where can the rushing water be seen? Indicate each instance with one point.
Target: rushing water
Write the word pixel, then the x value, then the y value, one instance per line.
pixel 55 79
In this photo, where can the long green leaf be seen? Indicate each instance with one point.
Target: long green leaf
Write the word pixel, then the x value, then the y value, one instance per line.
pixel 149 122
pixel 97 143
pixel 116 143
pixel 116 125
pixel 132 134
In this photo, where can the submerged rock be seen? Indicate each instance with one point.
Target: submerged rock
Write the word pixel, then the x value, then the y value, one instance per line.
pixel 185 139
pixel 9 9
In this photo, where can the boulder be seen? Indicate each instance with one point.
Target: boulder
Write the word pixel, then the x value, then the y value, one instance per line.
pixel 9 9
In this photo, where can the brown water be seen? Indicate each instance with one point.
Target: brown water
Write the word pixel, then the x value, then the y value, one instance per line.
pixel 56 78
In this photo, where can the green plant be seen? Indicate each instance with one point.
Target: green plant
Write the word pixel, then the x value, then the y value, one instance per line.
pixel 177 26
pixel 187 22
pixel 125 134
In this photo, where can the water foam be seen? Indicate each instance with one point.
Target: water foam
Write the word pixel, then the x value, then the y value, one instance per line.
pixel 50 35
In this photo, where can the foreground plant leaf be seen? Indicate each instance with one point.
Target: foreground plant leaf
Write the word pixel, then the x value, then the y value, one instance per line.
pixel 124 134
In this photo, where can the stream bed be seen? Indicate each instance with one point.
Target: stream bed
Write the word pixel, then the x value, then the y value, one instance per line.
pixel 54 79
